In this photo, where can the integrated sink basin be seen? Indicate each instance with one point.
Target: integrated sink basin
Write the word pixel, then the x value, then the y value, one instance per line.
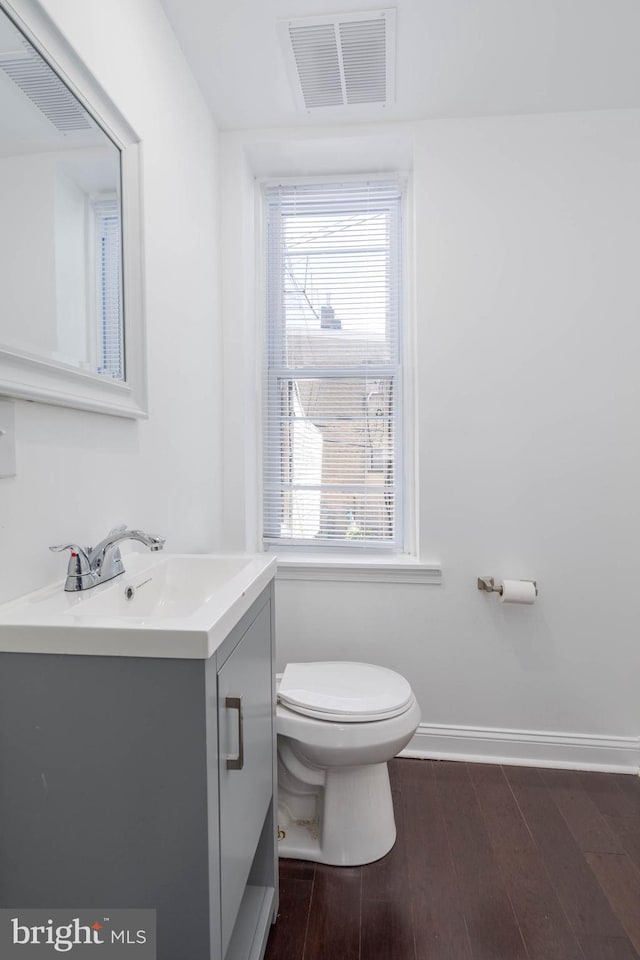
pixel 176 587
pixel 168 605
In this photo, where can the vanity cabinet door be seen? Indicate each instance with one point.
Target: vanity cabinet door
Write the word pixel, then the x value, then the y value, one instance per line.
pixel 246 737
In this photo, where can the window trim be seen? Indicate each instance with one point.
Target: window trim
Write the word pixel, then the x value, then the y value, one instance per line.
pixel 358 557
pixel 370 569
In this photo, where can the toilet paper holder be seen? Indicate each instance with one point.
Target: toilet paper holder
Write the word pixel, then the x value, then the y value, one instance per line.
pixel 488 584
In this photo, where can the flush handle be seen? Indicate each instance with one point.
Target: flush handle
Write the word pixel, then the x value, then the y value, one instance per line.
pixel 236 761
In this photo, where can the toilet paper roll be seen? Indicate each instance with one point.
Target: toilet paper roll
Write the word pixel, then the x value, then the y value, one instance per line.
pixel 518 591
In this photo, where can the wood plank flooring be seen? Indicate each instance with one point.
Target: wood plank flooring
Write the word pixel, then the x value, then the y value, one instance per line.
pixel 491 863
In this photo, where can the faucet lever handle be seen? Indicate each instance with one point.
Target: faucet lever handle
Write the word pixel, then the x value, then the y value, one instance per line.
pixel 59 547
pixel 79 565
pixel 116 530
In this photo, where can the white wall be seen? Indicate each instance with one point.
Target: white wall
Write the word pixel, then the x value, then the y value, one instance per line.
pixel 81 473
pixel 240 295
pixel 72 269
pixel 526 316
pixel 527 233
pixel 526 292
pixel 27 242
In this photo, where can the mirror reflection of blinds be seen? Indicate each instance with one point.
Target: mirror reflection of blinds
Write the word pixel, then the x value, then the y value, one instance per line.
pixel 332 450
pixel 109 263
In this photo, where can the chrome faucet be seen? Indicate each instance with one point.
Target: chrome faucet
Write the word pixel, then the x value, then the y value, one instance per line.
pixel 89 566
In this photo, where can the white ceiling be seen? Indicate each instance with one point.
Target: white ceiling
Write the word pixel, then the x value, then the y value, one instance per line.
pixel 24 129
pixel 455 58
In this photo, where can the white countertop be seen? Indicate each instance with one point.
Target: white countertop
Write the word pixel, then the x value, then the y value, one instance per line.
pixel 184 605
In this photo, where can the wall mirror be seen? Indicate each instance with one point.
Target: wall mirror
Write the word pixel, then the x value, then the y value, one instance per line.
pixel 71 323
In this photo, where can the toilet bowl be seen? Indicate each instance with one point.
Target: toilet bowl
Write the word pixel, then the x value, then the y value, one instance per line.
pixel 338 723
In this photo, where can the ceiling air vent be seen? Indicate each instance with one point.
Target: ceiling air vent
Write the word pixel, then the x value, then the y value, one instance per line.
pixel 45 89
pixel 341 61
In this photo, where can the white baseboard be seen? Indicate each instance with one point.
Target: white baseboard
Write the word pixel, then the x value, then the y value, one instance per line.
pixel 527 748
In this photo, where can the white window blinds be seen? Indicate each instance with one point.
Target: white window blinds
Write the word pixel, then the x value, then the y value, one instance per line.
pixel 332 457
pixel 109 288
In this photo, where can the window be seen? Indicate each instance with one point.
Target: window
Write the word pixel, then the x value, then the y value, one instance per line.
pixel 332 451
pixel 110 359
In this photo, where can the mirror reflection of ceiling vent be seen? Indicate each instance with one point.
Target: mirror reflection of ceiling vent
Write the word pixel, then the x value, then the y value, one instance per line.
pixel 341 61
pixel 45 89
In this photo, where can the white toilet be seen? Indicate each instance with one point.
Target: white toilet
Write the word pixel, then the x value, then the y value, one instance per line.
pixel 338 724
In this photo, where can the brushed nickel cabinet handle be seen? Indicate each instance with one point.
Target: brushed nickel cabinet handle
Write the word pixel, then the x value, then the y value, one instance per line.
pixel 236 761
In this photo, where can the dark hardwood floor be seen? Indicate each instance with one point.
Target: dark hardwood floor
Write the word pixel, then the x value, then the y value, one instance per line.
pixel 491 863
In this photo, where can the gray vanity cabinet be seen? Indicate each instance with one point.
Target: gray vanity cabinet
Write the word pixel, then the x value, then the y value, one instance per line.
pixel 115 790
pixel 246 777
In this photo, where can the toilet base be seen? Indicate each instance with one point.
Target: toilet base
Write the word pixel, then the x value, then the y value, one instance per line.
pixel 352 822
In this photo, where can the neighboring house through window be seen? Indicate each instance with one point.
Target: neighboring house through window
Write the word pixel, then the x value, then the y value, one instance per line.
pixel 332 442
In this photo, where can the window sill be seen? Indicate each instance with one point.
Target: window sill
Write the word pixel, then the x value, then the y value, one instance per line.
pixel 377 569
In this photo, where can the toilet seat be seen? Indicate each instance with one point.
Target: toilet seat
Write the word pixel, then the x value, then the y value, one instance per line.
pixel 344 692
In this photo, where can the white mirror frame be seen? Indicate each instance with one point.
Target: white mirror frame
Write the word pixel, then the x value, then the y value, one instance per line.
pixel 33 378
